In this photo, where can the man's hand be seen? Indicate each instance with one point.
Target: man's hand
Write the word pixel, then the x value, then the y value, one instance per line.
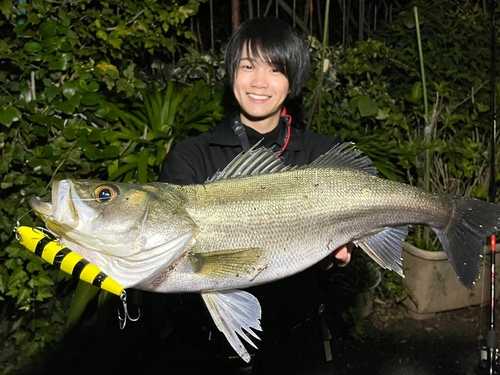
pixel 340 257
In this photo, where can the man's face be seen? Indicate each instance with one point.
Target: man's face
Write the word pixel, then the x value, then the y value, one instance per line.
pixel 260 90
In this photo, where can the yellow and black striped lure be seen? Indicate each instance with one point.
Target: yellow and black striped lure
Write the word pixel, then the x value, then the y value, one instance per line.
pixel 72 263
pixel 66 260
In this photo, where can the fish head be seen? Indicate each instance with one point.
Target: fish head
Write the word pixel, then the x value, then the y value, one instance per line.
pixel 114 219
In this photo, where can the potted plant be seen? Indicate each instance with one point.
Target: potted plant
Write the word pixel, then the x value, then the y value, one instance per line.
pixel 432 283
pixel 447 155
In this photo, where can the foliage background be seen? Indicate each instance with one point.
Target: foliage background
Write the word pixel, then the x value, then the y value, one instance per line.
pixel 102 90
pixel 79 100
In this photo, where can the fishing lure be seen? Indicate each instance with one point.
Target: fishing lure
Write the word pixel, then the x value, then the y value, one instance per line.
pixel 72 263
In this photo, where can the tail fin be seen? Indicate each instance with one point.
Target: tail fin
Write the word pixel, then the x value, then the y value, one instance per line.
pixel 473 221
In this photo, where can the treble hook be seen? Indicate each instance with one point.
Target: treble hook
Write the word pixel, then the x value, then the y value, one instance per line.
pixel 126 316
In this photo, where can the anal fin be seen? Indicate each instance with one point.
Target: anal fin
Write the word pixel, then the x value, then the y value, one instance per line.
pixel 236 314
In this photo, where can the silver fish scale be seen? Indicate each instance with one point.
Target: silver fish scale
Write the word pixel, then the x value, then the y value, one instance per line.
pixel 298 217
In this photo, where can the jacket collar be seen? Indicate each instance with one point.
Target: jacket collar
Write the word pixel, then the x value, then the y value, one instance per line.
pixel 223 135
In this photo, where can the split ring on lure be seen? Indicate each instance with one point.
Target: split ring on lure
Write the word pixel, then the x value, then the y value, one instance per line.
pixel 72 263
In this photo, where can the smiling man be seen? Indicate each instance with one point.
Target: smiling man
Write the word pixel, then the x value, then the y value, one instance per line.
pixel 267 64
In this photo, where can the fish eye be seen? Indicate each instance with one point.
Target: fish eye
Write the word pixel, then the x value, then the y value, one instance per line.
pixel 105 193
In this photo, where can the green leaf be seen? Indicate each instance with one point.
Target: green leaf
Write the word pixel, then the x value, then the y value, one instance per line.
pixel 482 107
pixel 91 152
pixel 51 93
pixel 90 98
pixel 84 293
pixel 111 152
pixel 48 29
pixel 61 63
pixel 64 106
pixel 416 93
pixel 93 87
pixel 9 115
pixel 95 136
pixel 122 170
pixel 142 168
pixel 6 8
pixel 69 133
pixel 367 107
pixel 33 47
pixel 68 89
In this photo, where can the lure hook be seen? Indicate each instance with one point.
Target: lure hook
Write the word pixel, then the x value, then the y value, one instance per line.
pixel 126 315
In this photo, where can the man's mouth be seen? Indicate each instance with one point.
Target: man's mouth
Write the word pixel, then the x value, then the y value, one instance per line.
pixel 258 97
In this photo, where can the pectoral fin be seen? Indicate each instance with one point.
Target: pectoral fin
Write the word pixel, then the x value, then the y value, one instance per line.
pixel 385 247
pixel 234 311
pixel 230 263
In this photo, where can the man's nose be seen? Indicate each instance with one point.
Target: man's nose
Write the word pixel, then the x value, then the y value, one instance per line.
pixel 260 79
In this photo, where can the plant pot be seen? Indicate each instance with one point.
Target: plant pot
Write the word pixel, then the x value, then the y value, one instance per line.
pixel 434 285
pixel 362 298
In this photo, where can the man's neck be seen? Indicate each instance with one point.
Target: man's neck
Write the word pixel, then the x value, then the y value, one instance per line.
pixel 262 126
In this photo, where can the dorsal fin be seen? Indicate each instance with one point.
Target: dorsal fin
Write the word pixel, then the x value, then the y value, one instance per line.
pixel 256 160
pixel 262 160
pixel 344 155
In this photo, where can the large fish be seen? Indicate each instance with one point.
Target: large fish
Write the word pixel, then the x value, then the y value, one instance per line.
pixel 254 222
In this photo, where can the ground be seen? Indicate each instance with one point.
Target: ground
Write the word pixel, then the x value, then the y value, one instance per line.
pixel 390 343
pixel 394 344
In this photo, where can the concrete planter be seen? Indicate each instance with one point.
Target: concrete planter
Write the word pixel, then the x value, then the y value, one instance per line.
pixel 435 286
pixel 362 298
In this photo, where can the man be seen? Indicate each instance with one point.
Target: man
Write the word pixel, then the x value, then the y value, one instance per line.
pixel 267 64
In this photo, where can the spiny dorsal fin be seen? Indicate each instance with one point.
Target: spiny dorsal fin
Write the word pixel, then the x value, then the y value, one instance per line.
pixel 345 155
pixel 254 161
pixel 262 160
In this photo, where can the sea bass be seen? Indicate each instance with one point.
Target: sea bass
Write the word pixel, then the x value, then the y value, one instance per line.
pixel 254 222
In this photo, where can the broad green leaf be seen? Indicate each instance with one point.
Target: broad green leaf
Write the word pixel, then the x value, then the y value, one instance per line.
pixel 482 107
pixel 69 133
pixel 111 152
pixel 95 136
pixel 6 8
pixel 367 107
pixel 93 87
pixel 48 29
pixel 33 47
pixel 90 98
pixel 68 89
pixel 61 63
pixel 74 101
pixel 9 115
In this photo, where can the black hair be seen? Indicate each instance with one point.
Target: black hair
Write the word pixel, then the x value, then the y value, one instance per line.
pixel 277 43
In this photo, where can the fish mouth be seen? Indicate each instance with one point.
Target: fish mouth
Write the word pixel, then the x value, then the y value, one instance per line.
pixel 58 212
pixel 42 207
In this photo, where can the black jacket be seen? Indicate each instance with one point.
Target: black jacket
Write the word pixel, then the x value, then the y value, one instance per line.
pixel 193 160
pixel 285 303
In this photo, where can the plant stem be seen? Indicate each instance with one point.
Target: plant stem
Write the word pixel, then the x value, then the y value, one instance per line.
pixel 427 128
pixel 323 56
